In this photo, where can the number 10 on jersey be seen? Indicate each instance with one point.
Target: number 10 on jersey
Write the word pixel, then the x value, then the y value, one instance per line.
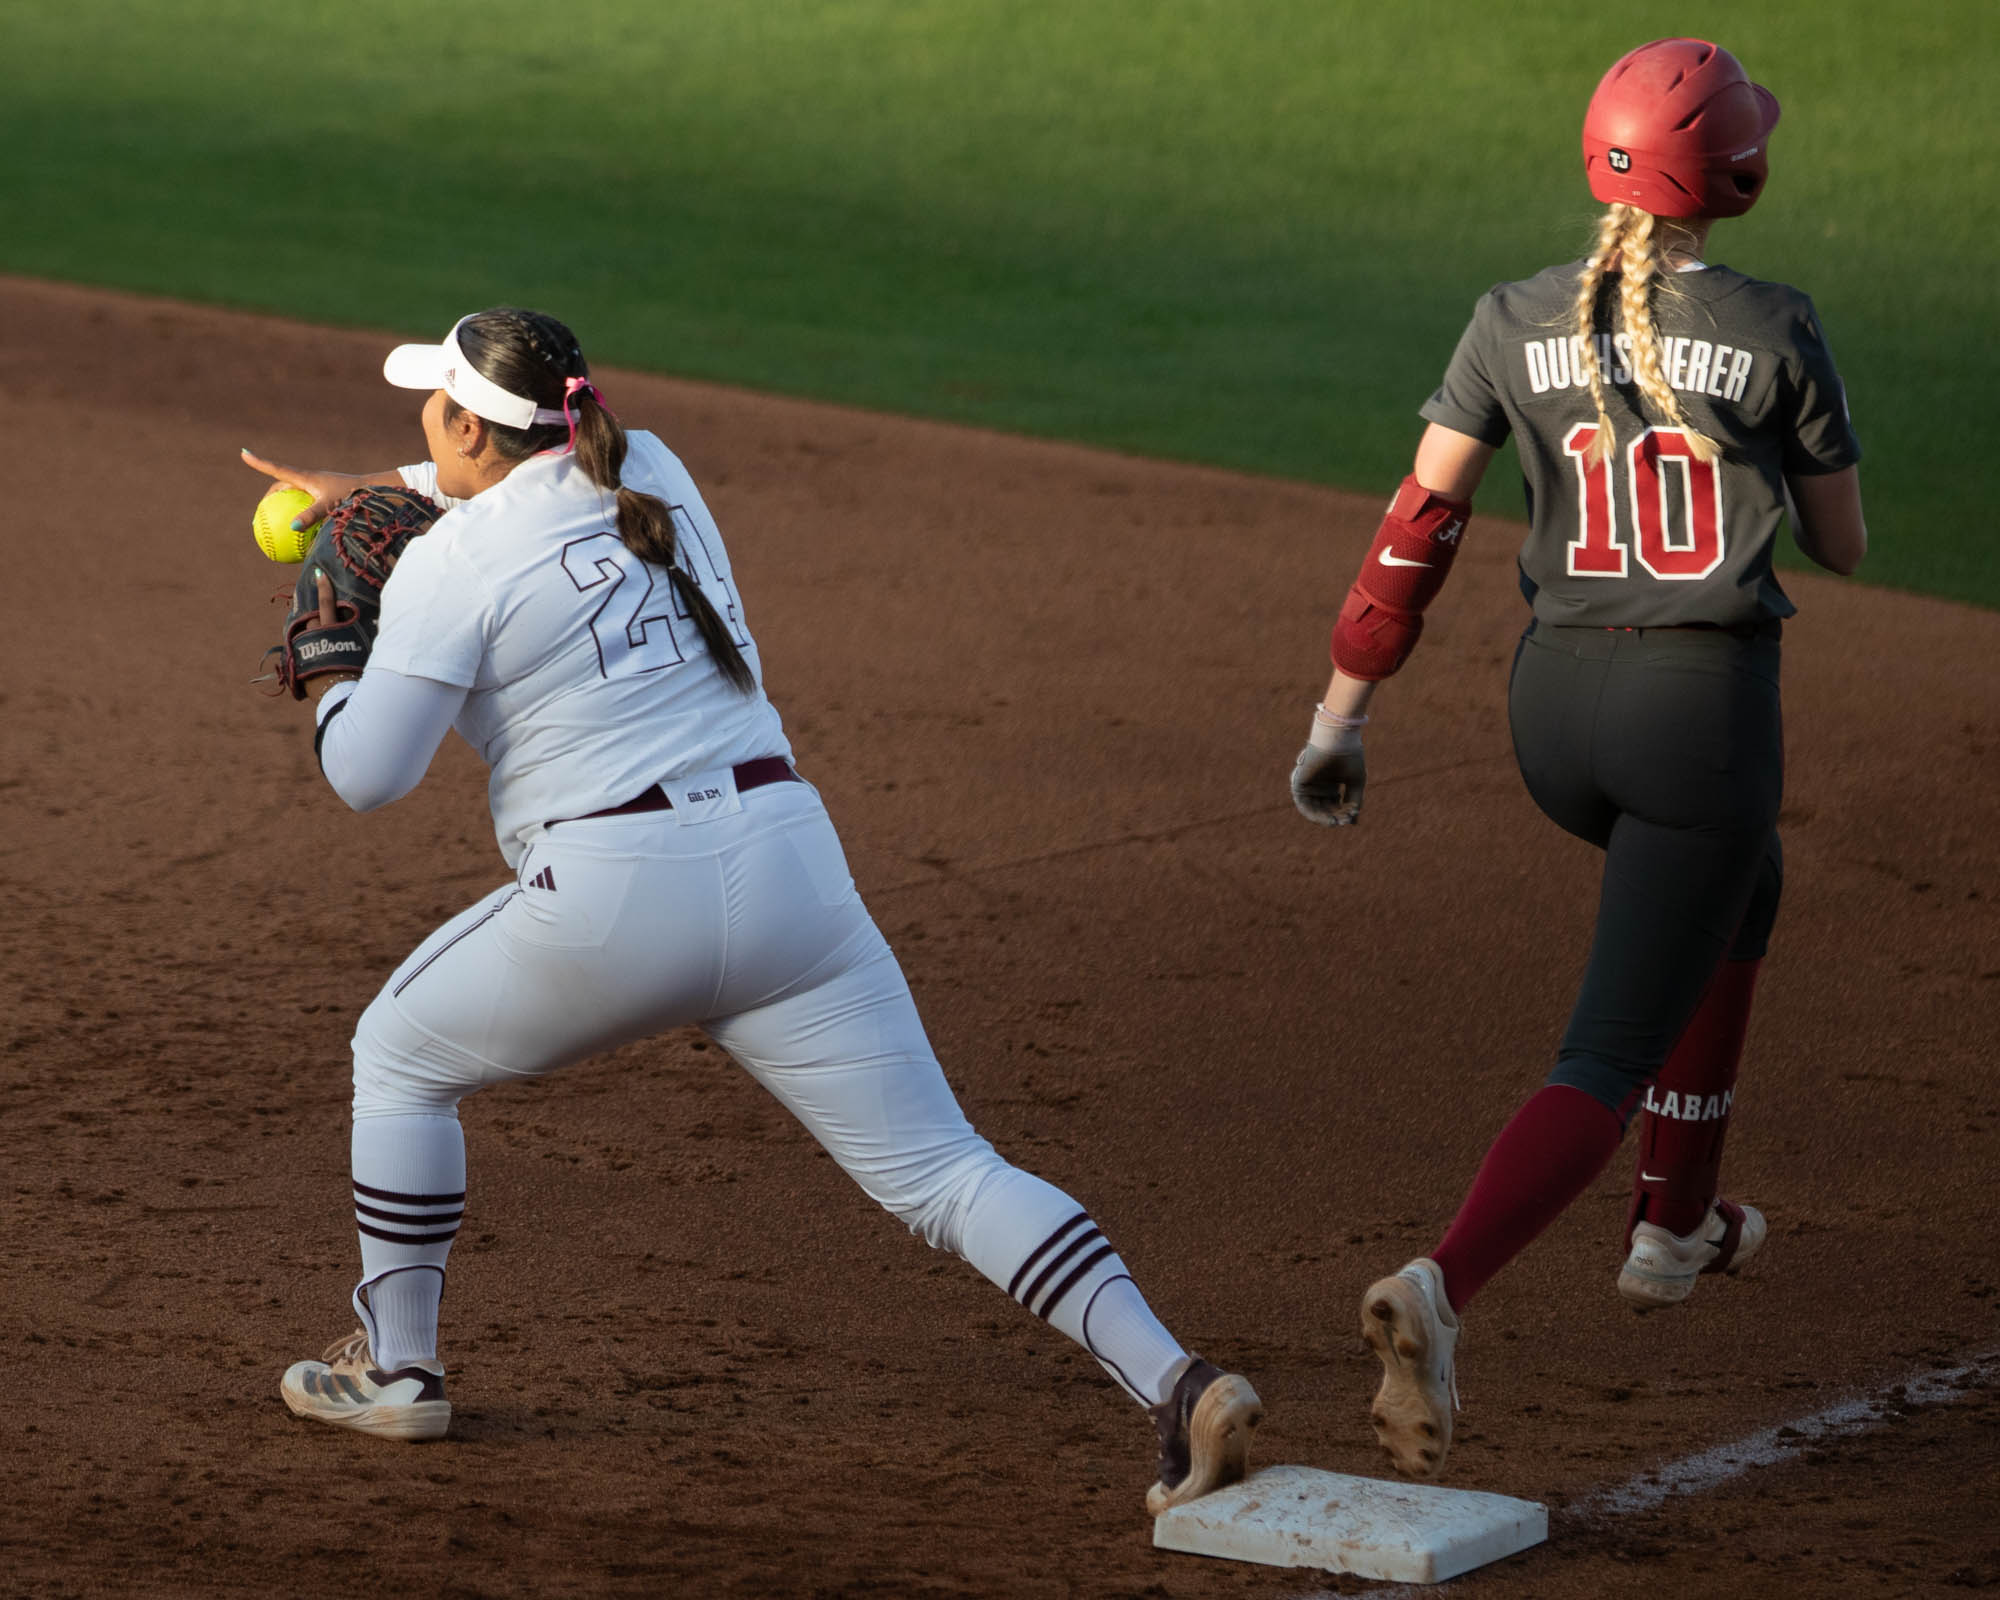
pixel 1693 549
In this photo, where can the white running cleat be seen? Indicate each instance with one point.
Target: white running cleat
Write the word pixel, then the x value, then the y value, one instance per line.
pixel 1662 1267
pixel 1204 1426
pixel 1409 1323
pixel 346 1388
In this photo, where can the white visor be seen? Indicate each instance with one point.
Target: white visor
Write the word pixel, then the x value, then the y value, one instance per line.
pixel 443 366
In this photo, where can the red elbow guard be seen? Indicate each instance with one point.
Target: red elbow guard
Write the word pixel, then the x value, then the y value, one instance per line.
pixel 1384 613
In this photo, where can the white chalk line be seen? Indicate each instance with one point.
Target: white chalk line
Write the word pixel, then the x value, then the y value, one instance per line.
pixel 1706 1469
pixel 1768 1447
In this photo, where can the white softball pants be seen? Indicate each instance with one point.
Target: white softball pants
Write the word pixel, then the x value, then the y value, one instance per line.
pixel 749 924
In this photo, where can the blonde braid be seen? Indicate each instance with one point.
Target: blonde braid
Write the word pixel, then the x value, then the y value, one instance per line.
pixel 1639 271
pixel 1610 236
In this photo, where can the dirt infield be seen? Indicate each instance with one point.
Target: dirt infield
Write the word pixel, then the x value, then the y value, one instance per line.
pixel 1051 697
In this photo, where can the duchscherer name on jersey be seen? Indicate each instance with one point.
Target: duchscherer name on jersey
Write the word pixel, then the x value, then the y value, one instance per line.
pixel 1693 366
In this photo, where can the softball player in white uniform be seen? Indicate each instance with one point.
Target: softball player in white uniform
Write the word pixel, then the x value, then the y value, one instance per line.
pixel 670 868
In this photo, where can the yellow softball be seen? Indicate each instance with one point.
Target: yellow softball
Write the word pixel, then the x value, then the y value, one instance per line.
pixel 273 529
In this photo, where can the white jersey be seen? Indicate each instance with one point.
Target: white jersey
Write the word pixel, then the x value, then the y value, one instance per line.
pixel 523 621
pixel 587 682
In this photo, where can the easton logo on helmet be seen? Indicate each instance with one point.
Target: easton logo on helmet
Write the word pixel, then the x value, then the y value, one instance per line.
pixel 1620 161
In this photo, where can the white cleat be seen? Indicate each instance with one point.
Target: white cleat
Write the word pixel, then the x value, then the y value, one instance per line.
pixel 1662 1267
pixel 347 1389
pixel 1204 1424
pixel 1409 1324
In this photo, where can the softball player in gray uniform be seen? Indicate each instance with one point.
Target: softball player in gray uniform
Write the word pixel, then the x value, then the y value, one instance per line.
pixel 573 614
pixel 1669 413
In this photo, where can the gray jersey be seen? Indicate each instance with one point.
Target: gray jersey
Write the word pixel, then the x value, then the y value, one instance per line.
pixel 1651 536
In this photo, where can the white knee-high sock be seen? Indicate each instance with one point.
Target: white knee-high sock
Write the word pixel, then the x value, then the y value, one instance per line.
pixel 409 1197
pixel 403 1308
pixel 1042 1248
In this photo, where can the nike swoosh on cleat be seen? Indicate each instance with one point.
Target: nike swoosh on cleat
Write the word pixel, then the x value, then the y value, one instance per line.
pixel 1652 1177
pixel 1388 560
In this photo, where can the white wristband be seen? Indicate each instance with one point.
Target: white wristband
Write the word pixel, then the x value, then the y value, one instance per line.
pixel 1333 719
pixel 1332 731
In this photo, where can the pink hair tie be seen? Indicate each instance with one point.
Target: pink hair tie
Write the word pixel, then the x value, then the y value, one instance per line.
pixel 570 388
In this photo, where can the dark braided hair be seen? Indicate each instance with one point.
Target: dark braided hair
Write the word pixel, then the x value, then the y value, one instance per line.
pixel 530 354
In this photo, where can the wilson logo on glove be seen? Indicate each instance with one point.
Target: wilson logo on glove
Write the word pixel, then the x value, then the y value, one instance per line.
pixel 315 646
pixel 357 548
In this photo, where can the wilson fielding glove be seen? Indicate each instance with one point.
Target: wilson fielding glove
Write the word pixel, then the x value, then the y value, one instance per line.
pixel 357 548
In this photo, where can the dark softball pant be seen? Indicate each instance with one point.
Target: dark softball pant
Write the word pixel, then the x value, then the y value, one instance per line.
pixel 1665 748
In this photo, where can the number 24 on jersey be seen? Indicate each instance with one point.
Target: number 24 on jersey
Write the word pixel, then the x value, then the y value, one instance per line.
pixel 637 623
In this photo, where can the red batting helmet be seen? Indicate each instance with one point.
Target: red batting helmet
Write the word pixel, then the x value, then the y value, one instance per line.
pixel 1678 129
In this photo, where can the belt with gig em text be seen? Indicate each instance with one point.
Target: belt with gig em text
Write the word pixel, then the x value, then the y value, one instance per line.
pixel 750 775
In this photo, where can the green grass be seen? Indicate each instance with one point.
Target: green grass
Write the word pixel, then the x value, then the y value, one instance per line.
pixel 1245 233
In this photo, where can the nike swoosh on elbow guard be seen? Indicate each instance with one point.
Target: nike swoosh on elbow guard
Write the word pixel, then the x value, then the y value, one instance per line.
pixel 1388 560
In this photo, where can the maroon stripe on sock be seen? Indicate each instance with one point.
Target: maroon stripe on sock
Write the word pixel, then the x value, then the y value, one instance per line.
pixel 1082 1241
pixel 406 1238
pixel 1028 1261
pixel 409 1199
pixel 1544 1158
pixel 1048 1306
pixel 408 1219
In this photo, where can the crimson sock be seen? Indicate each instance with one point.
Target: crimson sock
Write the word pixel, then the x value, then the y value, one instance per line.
pixel 1686 1111
pixel 1544 1158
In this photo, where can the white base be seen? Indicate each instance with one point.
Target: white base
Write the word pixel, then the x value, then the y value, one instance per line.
pixel 1303 1517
